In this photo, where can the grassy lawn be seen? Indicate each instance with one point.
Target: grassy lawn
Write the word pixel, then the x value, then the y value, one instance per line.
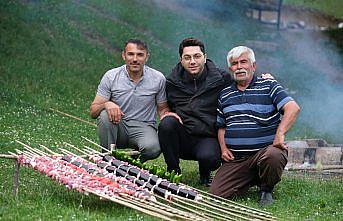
pixel 53 54
pixel 329 7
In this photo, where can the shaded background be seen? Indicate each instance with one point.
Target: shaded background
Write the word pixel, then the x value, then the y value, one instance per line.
pixel 54 53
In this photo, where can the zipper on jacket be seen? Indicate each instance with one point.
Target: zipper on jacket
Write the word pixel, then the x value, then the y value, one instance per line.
pixel 195 84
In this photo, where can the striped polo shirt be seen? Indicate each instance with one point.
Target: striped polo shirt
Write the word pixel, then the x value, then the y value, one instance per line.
pixel 251 117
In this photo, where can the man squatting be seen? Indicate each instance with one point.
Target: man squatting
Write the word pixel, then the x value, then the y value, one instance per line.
pixel 251 131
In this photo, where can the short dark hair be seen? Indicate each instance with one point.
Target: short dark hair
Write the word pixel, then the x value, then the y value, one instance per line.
pixel 140 44
pixel 191 42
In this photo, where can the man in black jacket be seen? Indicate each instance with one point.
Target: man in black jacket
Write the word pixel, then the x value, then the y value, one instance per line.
pixel 192 91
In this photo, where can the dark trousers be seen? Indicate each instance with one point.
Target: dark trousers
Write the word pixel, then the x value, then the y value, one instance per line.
pixel 264 169
pixel 177 144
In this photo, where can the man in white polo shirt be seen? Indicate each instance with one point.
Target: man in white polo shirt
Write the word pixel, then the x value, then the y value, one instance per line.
pixel 127 102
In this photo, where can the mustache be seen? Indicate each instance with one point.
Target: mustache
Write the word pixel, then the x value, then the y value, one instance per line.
pixel 240 71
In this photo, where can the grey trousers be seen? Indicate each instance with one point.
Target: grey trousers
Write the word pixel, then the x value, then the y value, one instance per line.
pixel 129 134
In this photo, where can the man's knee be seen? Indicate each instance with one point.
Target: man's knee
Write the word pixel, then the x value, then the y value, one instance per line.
pixel 168 124
pixel 211 161
pixel 103 120
pixel 150 149
pixel 275 156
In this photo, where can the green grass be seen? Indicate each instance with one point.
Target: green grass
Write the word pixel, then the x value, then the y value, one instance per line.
pixel 329 7
pixel 53 54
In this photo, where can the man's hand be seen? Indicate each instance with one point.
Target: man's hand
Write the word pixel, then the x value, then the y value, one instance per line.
pixel 267 76
pixel 114 112
pixel 227 155
pixel 172 114
pixel 279 141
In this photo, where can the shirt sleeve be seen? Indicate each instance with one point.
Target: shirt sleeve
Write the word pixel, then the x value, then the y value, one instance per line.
pixel 278 95
pixel 104 88
pixel 220 123
pixel 161 96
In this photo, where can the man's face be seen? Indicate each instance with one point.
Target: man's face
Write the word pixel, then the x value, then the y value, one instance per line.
pixel 241 68
pixel 193 59
pixel 134 58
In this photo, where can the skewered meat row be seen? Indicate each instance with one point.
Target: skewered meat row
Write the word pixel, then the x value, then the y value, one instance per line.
pixel 143 178
pixel 106 170
pixel 78 178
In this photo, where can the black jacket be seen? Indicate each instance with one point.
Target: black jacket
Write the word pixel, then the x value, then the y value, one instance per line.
pixel 195 100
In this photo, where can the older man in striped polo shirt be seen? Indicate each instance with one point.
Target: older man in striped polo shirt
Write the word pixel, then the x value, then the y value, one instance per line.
pixel 251 131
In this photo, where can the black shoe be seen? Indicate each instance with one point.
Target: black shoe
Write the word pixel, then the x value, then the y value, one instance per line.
pixel 266 199
pixel 205 180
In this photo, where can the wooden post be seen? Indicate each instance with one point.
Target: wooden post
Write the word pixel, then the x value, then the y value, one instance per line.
pixel 16 178
pixel 279 14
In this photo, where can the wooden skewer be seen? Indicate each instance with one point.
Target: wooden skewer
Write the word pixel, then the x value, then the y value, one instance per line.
pixel 39 152
pixel 239 210
pixel 72 146
pixel 89 153
pixel 18 151
pixel 26 147
pixel 130 152
pixel 67 152
pixel 127 203
pixel 216 198
pixel 230 211
pixel 184 207
pixel 71 116
pixel 166 208
pixel 161 209
pixel 241 207
pixel 28 154
pixel 191 205
pixel 10 156
pixel 92 142
pixel 214 208
pixel 93 151
pixel 50 151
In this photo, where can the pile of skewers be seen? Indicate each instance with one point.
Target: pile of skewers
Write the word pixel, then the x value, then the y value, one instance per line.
pixel 92 172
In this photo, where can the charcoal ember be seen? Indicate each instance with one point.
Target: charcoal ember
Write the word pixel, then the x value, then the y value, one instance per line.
pixel 124 167
pixel 91 170
pixel 100 175
pixel 76 163
pixel 159 191
pixel 116 162
pixel 130 178
pixel 149 186
pixel 173 188
pixel 140 182
pixel 164 184
pixel 134 171
pixel 84 166
pixel 182 192
pixel 191 194
pixel 66 158
pixel 145 193
pixel 121 173
pixel 110 169
pixel 107 158
pixel 130 188
pixel 144 176
pixel 102 165
pixel 153 179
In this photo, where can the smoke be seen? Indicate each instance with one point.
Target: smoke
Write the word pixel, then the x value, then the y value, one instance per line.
pixel 305 62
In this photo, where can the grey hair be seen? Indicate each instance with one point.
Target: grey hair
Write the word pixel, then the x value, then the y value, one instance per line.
pixel 236 52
